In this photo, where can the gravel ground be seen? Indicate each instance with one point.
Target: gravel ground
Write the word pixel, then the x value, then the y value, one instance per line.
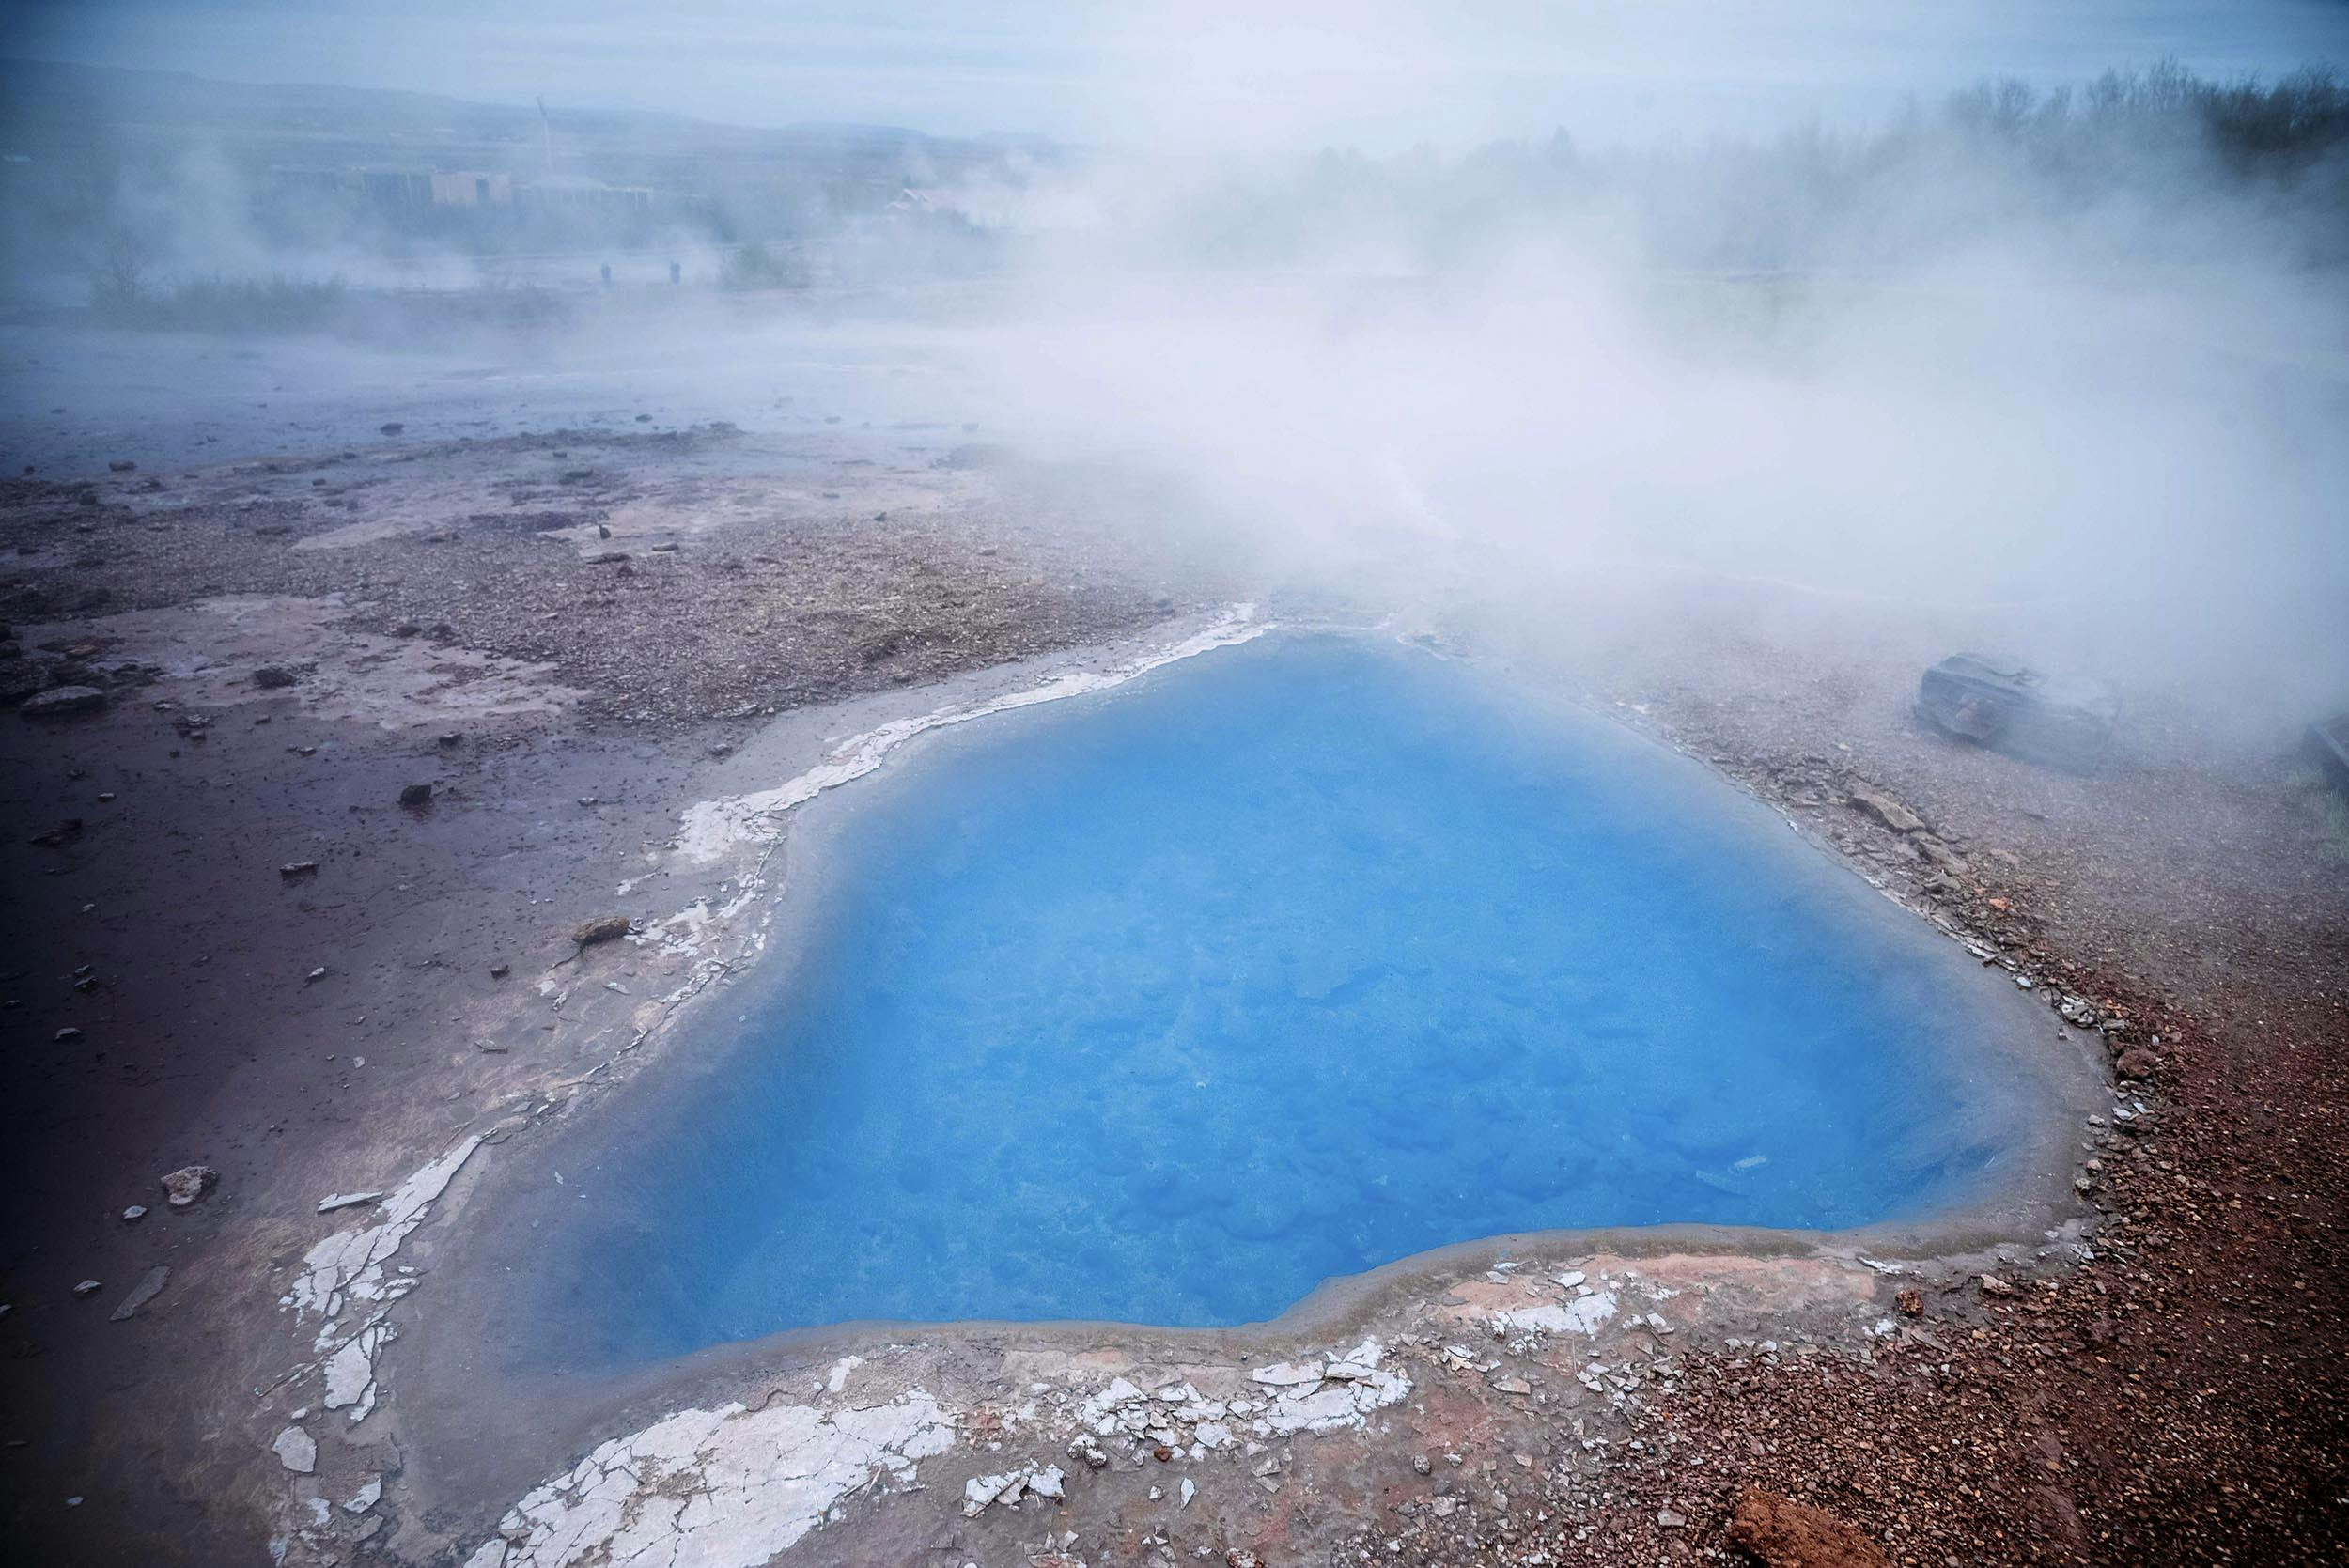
pixel 667 575
pixel 2176 1398
pixel 2180 1397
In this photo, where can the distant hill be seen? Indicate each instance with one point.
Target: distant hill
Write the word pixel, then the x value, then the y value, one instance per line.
pixel 49 106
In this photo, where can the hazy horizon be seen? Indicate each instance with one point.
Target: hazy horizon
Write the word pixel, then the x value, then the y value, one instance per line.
pixel 1380 76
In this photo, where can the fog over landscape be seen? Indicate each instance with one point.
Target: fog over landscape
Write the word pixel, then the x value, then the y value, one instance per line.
pixel 477 475
pixel 2070 340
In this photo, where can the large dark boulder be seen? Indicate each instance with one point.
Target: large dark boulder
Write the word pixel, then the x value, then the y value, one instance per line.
pixel 2328 749
pixel 2064 722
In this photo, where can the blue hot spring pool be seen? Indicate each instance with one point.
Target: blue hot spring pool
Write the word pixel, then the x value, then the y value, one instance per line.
pixel 1284 962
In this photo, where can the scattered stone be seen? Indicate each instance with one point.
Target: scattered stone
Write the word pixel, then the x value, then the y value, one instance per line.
pixel 315 975
pixel 61 700
pixel 415 794
pixel 2136 1062
pixel 87 1287
pixel 271 678
pixel 345 1201
pixel 135 1213
pixel 150 1285
pixel 122 465
pixel 499 972
pixel 189 1183
pixel 1420 1464
pixel 1780 1532
pixel 365 1498
pixel 67 1033
pixel 603 928
pixel 1940 854
pixel 1912 1302
pixel 292 869
pixel 451 738
pixel 1875 803
pixel 1668 1519
pixel 296 1450
pixel 392 428
pixel 1993 1285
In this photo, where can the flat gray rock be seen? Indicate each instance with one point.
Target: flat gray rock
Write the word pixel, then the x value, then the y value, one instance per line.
pixel 62 699
pixel 296 1450
pixel 150 1285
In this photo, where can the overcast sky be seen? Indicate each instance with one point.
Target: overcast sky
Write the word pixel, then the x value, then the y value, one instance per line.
pixel 1374 72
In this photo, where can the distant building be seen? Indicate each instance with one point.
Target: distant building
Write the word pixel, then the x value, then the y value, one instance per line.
pixel 405 189
pixel 577 194
pixel 394 188
pixel 471 188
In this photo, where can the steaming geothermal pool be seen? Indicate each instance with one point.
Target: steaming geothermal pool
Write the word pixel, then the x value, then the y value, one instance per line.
pixel 1285 962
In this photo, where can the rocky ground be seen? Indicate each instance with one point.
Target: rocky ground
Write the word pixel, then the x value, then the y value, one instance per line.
pixel 238 949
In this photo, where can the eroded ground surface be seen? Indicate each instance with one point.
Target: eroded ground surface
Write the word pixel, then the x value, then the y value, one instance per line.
pixel 236 948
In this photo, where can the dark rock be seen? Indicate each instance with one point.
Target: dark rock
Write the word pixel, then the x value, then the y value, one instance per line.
pixel 392 428
pixel 21 678
pixel 1875 803
pixel 122 465
pixel 415 794
pixel 1939 853
pixel 272 676
pixel 2065 721
pixel 60 700
pixel 499 972
pixel 2136 1062
pixel 603 928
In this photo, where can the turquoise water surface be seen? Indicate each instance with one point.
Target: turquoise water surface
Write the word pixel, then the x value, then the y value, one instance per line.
pixel 1285 962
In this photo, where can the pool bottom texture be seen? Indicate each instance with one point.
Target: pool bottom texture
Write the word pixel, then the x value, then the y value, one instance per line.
pixel 1289 961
